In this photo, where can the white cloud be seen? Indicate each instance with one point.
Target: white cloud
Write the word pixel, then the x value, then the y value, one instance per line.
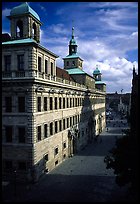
pixel 5 12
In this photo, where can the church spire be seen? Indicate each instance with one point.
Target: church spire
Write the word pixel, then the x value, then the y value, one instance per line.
pixel 72 44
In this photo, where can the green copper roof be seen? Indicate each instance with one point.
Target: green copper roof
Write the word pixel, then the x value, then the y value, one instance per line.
pixel 100 82
pixel 96 71
pixel 73 42
pixel 27 40
pixel 75 71
pixel 74 55
pixel 23 9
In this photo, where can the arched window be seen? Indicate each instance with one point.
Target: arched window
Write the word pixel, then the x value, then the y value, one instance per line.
pixel 34 31
pixel 19 29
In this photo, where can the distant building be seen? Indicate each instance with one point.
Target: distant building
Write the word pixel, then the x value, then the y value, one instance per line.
pixel 48 113
pixel 134 114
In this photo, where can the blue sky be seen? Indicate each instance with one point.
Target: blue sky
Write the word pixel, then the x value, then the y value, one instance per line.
pixel 106 34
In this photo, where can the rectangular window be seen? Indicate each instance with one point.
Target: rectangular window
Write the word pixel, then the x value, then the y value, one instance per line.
pixel 46 66
pixel 39 64
pixel 8 133
pixel 63 102
pixel 21 104
pixel 56 151
pixel 39 133
pixel 8 104
pixel 20 59
pixel 51 128
pixel 45 103
pixel 21 134
pixel 22 166
pixel 51 103
pixel 55 102
pixel 73 63
pixel 67 63
pixel 73 121
pixel 60 105
pixel 60 125
pixel 70 121
pixel 64 145
pixel 64 124
pixel 8 165
pixel 46 157
pixel 70 102
pixel 45 130
pixel 73 102
pixel 39 104
pixel 67 122
pixel 51 68
pixel 7 61
pixel 55 126
pixel 67 102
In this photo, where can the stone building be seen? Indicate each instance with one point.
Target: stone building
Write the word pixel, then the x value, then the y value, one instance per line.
pixel 48 113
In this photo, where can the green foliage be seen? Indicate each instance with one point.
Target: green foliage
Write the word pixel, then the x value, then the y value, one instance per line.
pixel 123 159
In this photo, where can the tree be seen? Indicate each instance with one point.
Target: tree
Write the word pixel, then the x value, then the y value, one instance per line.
pixel 123 159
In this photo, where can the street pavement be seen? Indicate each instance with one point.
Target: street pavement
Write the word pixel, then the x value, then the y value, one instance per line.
pixel 81 178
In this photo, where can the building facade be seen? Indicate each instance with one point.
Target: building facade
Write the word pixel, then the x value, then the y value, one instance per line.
pixel 48 113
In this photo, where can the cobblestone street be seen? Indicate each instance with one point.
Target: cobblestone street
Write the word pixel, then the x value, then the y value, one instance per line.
pixel 82 178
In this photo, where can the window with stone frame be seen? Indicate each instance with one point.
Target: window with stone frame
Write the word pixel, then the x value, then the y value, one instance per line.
pixel 39 104
pixel 56 127
pixel 7 62
pixel 55 102
pixel 64 124
pixel 8 104
pixel 9 133
pixel 21 104
pixel 45 130
pixel 39 64
pixel 64 145
pixel 46 66
pixel 51 103
pixel 56 151
pixel 46 157
pixel 63 102
pixel 52 68
pixel 60 125
pixel 51 128
pixel 20 60
pixel 21 135
pixel 60 103
pixel 39 133
pixel 45 103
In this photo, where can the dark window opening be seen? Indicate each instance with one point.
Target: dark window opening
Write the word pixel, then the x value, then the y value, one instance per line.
pixel 22 165
pixel 60 125
pixel 63 102
pixel 39 64
pixel 51 68
pixel 21 134
pixel 51 103
pixel 20 59
pixel 8 133
pixel 7 61
pixel 64 145
pixel 56 151
pixel 8 104
pixel 39 133
pixel 45 103
pixel 34 31
pixel 46 66
pixel 21 104
pixel 51 128
pixel 55 102
pixel 60 105
pixel 56 128
pixel 19 29
pixel 39 104
pixel 46 157
pixel 45 130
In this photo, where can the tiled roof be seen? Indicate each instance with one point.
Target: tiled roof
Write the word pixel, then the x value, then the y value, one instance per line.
pixel 62 73
pixel 75 71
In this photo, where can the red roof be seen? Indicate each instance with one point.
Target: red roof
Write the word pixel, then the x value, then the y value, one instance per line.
pixel 62 73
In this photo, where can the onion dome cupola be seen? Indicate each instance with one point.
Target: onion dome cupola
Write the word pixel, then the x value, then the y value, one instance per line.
pixel 25 23
pixel 97 74
pixel 72 44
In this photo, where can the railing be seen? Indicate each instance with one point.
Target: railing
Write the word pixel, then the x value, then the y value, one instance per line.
pixel 36 74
